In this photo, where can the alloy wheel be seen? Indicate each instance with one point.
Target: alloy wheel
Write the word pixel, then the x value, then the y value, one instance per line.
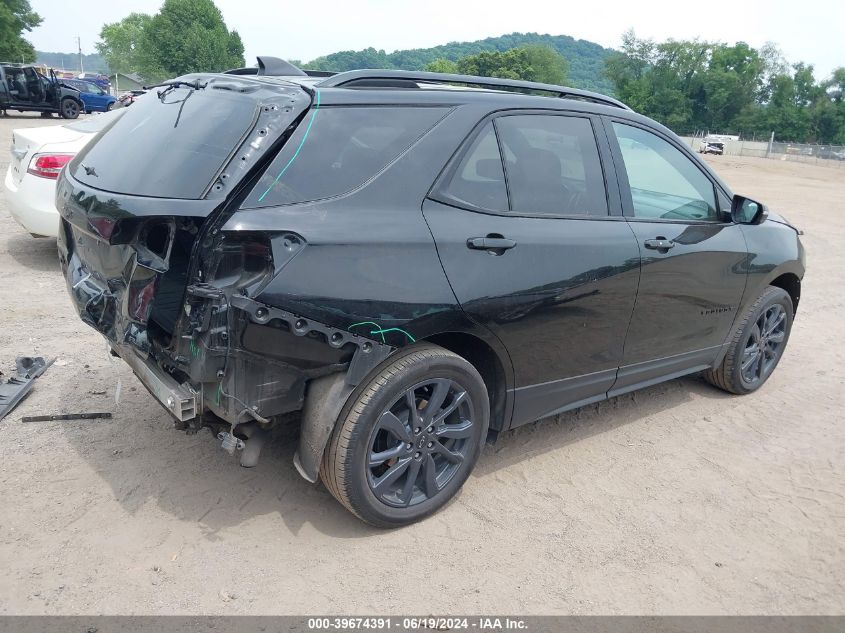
pixel 764 345
pixel 70 109
pixel 420 442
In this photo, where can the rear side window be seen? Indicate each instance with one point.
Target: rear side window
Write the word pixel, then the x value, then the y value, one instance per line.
pixel 337 149
pixel 479 180
pixel 552 165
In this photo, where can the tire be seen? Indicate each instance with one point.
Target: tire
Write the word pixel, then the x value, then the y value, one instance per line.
pixel 69 108
pixel 376 423
pixel 109 107
pixel 759 339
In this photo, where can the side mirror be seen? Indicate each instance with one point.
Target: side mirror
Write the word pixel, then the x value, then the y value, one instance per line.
pixel 747 211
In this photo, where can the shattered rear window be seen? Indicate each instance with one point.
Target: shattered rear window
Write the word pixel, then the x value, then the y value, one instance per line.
pixel 337 149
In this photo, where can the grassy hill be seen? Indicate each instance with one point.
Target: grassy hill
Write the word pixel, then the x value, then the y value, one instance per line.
pixel 586 59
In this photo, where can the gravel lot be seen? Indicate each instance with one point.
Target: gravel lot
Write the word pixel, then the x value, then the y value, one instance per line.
pixel 674 500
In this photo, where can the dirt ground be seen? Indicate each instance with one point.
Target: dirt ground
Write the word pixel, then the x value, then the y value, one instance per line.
pixel 674 500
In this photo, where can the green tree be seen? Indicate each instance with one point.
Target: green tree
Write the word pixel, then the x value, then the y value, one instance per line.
pixel 531 63
pixel 547 65
pixel 511 64
pixel 17 16
pixel 442 66
pixel 188 36
pixel 120 43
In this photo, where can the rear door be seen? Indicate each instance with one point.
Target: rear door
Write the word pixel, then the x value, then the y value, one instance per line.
pixel 536 250
pixel 693 257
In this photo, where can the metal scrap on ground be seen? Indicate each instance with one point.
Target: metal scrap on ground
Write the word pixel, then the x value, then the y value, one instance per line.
pixel 66 416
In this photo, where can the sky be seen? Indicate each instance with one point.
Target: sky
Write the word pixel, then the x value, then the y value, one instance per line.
pixel 812 31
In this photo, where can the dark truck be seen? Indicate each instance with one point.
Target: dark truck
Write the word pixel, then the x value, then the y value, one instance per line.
pixel 416 262
pixel 23 88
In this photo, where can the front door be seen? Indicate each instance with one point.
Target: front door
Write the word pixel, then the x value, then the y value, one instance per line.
pixel 537 251
pixel 693 258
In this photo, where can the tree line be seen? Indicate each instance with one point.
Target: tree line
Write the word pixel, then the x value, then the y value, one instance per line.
pixel 688 85
pixel 728 89
pixel 585 60
pixel 184 36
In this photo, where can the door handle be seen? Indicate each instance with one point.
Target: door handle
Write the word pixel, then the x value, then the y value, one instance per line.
pixel 659 244
pixel 492 243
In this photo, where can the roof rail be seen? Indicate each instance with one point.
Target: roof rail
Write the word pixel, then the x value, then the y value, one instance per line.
pixel 394 78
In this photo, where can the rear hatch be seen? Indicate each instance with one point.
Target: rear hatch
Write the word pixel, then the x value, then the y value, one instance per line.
pixel 135 200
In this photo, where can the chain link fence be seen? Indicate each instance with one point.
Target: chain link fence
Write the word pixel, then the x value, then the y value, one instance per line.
pixel 832 155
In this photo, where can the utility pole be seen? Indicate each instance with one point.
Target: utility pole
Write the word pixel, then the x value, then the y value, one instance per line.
pixel 79 45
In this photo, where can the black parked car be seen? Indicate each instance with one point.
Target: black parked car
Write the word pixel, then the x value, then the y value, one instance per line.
pixel 23 88
pixel 416 267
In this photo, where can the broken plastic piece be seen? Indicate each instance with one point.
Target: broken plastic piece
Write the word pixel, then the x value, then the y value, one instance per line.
pixel 15 389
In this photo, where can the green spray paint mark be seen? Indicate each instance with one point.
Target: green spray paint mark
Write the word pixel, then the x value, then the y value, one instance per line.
pixel 380 331
pixel 218 394
pixel 195 350
pixel 298 149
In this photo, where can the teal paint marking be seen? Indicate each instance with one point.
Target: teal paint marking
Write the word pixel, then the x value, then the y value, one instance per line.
pixel 298 149
pixel 380 331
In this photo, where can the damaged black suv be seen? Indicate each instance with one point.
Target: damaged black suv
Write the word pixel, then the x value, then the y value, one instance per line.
pixel 414 261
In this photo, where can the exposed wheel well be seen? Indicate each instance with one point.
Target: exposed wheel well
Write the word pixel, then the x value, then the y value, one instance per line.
pixel 486 361
pixel 792 285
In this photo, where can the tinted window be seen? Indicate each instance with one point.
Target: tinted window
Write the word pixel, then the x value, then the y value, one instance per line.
pixel 664 182
pixel 336 149
pixel 552 165
pixel 171 147
pixel 479 180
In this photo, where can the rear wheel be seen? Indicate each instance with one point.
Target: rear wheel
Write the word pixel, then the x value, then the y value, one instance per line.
pixel 757 345
pixel 70 108
pixel 408 439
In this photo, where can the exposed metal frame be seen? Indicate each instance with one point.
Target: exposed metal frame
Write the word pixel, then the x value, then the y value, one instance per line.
pixel 372 77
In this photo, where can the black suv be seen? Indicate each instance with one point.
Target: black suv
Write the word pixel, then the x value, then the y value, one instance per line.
pixel 414 261
pixel 23 88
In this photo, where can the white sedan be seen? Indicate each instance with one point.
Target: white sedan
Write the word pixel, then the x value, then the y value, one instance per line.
pixel 38 155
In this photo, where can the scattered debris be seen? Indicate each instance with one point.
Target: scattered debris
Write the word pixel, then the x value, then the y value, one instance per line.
pixel 66 416
pixel 14 390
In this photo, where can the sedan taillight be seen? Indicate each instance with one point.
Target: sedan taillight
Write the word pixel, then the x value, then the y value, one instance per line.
pixel 48 165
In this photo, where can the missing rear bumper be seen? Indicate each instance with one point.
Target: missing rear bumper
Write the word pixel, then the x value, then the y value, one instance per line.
pixel 180 399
